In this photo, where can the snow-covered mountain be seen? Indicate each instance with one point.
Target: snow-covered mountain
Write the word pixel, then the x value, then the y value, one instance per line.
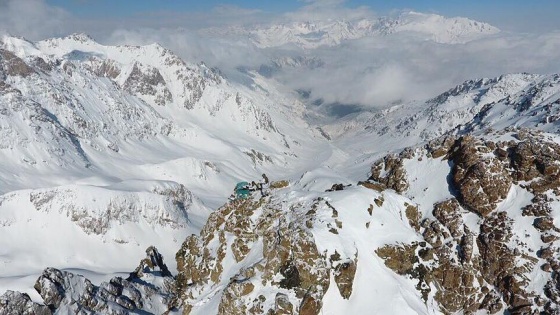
pixel 439 207
pixel 314 34
pixel 109 149
pixel 475 106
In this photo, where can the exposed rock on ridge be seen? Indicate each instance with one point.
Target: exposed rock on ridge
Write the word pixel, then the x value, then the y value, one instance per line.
pixel 492 267
pixel 150 289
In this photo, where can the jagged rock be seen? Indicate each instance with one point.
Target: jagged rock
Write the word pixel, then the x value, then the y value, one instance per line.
pixel 390 172
pixel 42 64
pixel 282 305
pixel 466 246
pixel 13 65
pixel 152 264
pixel 546 252
pixel 448 213
pixel 290 263
pixel 544 224
pixel 344 277
pixel 108 68
pixel 290 276
pixel 549 238
pixel 539 206
pixel 413 216
pixel 440 147
pixel 498 261
pixel 532 159
pixel 65 292
pixel 481 181
pixel 16 303
pixel 373 186
pixel 379 201
pixel 148 81
pixel 401 258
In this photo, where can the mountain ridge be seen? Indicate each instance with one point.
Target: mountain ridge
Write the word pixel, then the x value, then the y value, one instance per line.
pixel 430 197
pixel 330 32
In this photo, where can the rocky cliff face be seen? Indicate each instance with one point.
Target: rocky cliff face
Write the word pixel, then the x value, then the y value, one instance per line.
pixel 503 258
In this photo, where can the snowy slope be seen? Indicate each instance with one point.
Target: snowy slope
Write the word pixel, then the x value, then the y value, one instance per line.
pixel 108 150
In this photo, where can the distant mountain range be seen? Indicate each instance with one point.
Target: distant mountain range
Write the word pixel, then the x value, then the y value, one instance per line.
pixel 314 34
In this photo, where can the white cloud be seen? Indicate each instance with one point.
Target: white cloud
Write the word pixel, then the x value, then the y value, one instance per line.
pixel 377 71
pixel 34 19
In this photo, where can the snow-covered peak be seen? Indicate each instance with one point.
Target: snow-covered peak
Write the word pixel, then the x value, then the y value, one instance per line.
pixel 438 28
pixel 313 34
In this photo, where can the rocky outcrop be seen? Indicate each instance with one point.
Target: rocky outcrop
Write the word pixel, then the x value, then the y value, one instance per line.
pixel 533 160
pixel 147 81
pixel 13 65
pixel 149 289
pixel 390 173
pixel 278 250
pixel 480 179
pixel 488 268
pixel 12 303
pixel 165 205
pixel 106 68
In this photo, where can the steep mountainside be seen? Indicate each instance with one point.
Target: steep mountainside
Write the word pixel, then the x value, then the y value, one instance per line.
pixel 115 148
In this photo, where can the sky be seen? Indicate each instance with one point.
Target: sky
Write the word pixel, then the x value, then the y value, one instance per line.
pixel 507 14
pixel 370 72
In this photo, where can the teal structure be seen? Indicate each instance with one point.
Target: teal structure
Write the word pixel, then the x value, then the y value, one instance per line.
pixel 242 190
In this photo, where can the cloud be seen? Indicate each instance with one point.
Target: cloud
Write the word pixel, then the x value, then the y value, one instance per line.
pixel 376 72
pixel 34 19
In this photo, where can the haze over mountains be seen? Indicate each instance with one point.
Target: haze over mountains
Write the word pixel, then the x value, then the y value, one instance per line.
pixel 449 203
pixel 314 34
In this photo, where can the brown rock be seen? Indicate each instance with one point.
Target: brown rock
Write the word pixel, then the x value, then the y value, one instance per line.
pixel 399 258
pixel 394 174
pixel 548 238
pixel 546 252
pixel 310 306
pixel 544 224
pixel 379 201
pixel 373 186
pixel 481 181
pixel 539 207
pixel 448 213
pixel 413 216
pixel 279 184
pixel 344 277
pixel 370 209
pixel 282 305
